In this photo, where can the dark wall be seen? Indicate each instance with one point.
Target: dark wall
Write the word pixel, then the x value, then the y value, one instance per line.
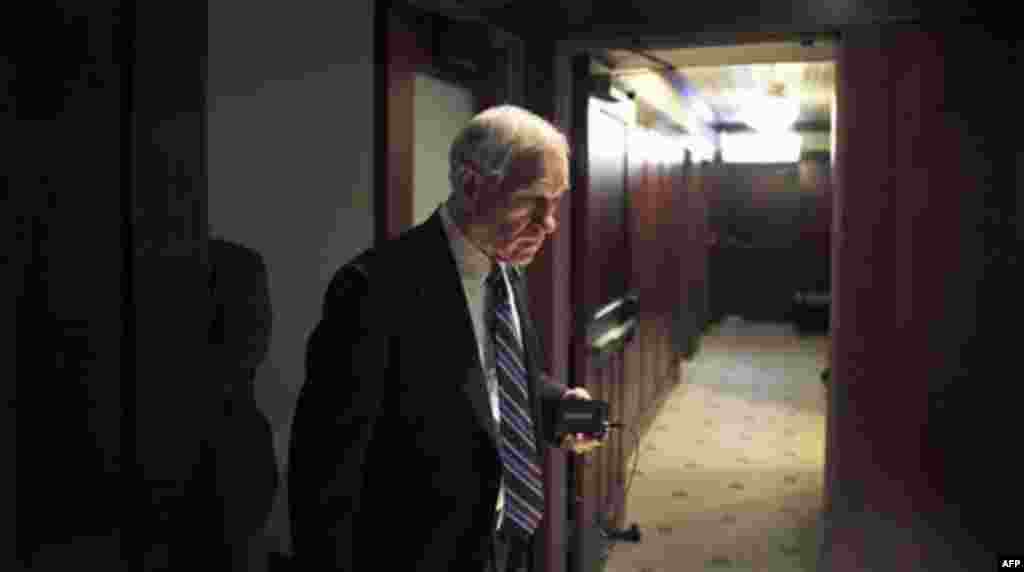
pixel 109 190
pixel 689 234
pixel 771 226
pixel 815 223
pixel 170 296
pixel 921 353
pixel 66 196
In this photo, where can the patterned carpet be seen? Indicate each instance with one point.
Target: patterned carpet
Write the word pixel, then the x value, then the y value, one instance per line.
pixel 730 476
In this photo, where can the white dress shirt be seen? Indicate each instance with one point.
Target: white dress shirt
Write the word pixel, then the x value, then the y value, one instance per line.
pixel 474 266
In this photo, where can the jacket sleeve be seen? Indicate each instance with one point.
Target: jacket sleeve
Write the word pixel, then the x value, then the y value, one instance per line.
pixel 551 393
pixel 337 410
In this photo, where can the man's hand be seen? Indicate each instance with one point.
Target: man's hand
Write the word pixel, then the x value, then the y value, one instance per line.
pixel 579 443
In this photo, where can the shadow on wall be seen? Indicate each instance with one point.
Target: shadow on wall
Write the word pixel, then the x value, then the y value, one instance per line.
pixel 290 143
pixel 241 474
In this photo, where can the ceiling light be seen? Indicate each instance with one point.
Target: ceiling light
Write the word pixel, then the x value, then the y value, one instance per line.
pixel 704 111
pixel 769 113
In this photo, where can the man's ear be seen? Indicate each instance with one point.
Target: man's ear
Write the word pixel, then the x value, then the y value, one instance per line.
pixel 466 178
pixel 471 185
pixel 474 189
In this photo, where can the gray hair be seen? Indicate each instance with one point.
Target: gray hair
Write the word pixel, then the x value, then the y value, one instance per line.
pixel 495 137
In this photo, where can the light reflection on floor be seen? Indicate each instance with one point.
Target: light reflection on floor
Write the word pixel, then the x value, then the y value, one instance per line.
pixel 730 475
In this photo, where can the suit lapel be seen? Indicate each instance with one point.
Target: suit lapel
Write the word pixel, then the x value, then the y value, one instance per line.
pixel 444 292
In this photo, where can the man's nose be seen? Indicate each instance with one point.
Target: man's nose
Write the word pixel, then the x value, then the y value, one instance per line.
pixel 549 220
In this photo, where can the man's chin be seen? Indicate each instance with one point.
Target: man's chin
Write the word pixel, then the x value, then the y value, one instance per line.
pixel 522 259
pixel 525 258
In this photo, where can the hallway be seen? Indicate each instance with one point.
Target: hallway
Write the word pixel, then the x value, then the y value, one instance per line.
pixel 730 475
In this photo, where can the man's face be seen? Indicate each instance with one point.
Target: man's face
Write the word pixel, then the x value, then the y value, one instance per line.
pixel 522 211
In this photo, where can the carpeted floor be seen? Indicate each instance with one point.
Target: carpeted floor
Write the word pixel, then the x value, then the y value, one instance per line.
pixel 730 476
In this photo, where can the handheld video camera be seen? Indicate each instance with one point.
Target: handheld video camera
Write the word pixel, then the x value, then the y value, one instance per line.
pixel 587 416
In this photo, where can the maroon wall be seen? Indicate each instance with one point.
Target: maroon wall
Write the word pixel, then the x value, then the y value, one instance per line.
pixel 550 300
pixel 666 249
pixel 406 51
pixel 600 275
pixel 642 367
pixel 639 222
pixel 601 212
pixel 914 353
pixel 667 230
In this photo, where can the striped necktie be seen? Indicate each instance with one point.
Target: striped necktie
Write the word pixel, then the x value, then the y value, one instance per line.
pixel 524 490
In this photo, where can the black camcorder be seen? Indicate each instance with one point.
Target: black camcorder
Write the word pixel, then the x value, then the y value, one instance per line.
pixel 587 416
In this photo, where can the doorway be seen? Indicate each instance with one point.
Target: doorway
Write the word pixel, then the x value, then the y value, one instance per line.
pixel 727 224
pixel 441 109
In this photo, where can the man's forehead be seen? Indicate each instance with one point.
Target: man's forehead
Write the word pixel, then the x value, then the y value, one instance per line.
pixel 546 165
pixel 541 156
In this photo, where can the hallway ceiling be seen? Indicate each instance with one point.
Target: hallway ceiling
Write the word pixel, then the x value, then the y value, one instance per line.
pixel 722 75
pixel 651 22
pixel 767 58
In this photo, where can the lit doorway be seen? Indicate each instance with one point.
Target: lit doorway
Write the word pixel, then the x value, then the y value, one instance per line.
pixel 730 473
pixel 440 109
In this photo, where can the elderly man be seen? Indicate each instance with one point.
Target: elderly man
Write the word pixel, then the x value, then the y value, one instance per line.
pixel 419 434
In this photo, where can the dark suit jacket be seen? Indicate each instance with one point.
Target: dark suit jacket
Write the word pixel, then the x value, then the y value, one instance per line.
pixel 393 461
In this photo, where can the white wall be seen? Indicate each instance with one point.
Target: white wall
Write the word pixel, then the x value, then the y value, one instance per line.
pixel 290 151
pixel 441 109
